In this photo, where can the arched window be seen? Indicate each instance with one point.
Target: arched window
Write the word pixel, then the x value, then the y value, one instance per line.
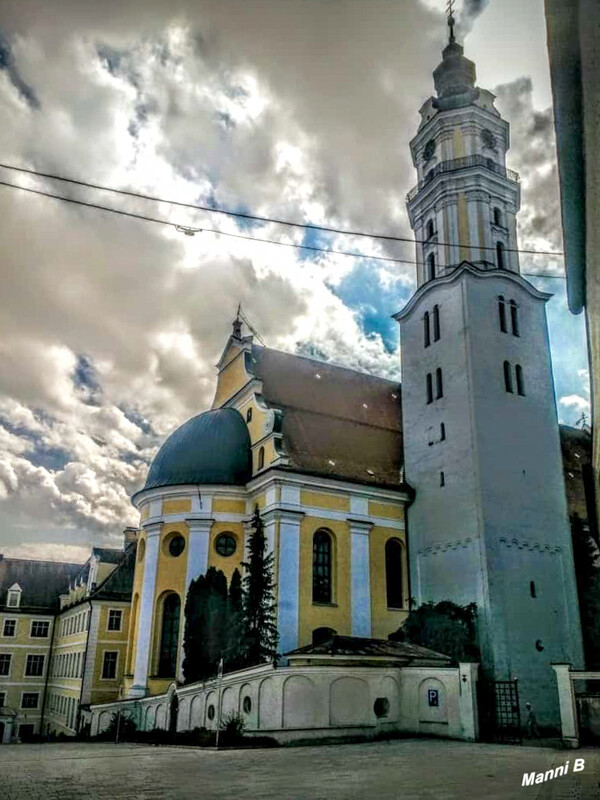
pixel 429 229
pixel 430 267
pixel 497 216
pixel 167 660
pixel 249 414
pixel 426 331
pixel 436 323
pixel 320 635
pixel 508 384
pixel 321 567
pixel 520 382
pixel 514 318
pixel 502 313
pixel 261 458
pixel 439 386
pixel 429 388
pixel 393 573
pixel 500 255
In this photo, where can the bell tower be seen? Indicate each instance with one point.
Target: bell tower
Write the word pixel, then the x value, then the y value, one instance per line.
pixel 489 521
pixel 465 203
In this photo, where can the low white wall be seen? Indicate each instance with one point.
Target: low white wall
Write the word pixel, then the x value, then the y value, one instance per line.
pixel 306 702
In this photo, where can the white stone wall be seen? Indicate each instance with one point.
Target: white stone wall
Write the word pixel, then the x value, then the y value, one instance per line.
pixel 291 703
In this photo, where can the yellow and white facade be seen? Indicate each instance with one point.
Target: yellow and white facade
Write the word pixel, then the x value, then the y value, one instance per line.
pixel 339 543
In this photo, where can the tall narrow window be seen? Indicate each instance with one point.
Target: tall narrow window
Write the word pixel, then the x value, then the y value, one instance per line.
pixel 393 573
pixel 497 217
pixel 439 386
pixel 502 313
pixel 261 458
pixel 430 267
pixel 514 318
pixel 426 331
pixel 442 432
pixel 508 384
pixel 321 567
pixel 520 382
pixel 500 255
pixel 442 479
pixel 429 382
pixel 532 589
pixel 436 323
pixel 429 233
pixel 167 662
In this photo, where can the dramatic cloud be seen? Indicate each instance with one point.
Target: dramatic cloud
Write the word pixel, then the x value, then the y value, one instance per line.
pixel 110 328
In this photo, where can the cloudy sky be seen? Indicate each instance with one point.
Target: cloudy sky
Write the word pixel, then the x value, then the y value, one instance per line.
pixel 296 109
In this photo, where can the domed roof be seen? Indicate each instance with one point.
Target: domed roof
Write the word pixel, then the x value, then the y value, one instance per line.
pixel 211 448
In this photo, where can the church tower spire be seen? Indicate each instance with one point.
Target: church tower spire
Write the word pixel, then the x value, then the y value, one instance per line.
pixel 488 524
pixel 464 205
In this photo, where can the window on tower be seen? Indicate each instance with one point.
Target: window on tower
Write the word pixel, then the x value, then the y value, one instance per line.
pixel 520 382
pixel 497 217
pixel 426 331
pixel 442 432
pixel 261 458
pixel 430 266
pixel 436 323
pixel 500 260
pixel 429 229
pixel 429 384
pixel 514 318
pixel 502 313
pixel 439 386
pixel 508 384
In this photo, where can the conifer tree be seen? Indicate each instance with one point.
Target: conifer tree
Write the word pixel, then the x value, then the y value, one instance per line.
pixel 234 653
pixel 206 625
pixel 260 629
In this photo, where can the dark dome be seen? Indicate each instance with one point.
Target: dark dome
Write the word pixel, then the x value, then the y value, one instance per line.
pixel 212 448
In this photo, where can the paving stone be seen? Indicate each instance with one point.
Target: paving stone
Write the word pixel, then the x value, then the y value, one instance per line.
pixel 408 769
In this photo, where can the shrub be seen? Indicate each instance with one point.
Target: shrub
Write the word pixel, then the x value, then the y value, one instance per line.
pixel 232 729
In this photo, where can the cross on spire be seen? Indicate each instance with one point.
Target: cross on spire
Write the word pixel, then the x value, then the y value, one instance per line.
pixel 451 20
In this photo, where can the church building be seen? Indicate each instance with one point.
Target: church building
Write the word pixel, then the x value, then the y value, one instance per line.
pixel 467 451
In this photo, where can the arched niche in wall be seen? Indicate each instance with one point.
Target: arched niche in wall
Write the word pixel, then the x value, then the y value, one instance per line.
pixel 300 703
pixel 349 702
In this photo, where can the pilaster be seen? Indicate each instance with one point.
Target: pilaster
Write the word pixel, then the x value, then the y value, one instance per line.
pixel 360 577
pixel 145 619
pixel 288 579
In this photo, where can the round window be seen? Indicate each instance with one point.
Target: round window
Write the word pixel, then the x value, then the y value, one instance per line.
pixel 247 705
pixel 211 712
pixel 225 544
pixel 381 707
pixel 176 545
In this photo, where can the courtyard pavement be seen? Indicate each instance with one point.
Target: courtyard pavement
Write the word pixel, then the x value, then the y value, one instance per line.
pixel 406 769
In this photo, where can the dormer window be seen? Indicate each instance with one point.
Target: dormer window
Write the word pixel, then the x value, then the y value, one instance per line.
pixel 14 596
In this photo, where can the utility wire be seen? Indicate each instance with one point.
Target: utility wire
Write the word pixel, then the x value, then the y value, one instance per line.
pixel 192 231
pixel 304 225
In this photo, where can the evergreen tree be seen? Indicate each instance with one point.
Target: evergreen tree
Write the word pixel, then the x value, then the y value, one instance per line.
pixel 206 625
pixel 234 653
pixel 260 629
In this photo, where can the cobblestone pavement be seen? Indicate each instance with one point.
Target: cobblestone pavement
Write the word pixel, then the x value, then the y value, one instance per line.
pixel 410 769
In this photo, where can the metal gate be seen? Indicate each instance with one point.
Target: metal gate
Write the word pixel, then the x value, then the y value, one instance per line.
pixel 499 712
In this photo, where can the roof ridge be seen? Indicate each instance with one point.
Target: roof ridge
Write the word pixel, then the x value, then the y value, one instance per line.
pixel 333 364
